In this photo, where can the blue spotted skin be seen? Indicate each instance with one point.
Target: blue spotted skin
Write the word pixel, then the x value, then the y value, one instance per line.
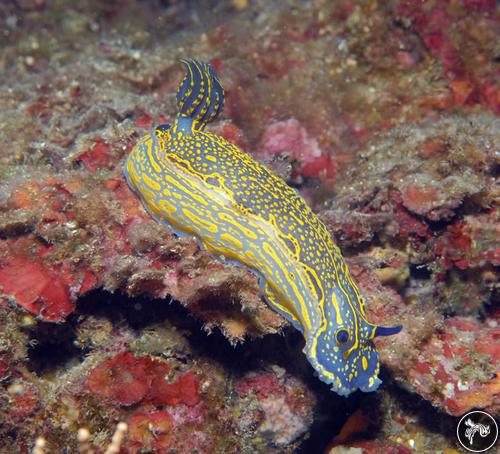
pixel 202 185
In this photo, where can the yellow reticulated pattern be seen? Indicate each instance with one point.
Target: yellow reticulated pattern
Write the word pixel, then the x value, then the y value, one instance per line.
pixel 200 184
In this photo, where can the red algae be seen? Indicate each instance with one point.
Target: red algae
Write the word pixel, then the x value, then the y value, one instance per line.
pixel 144 120
pixel 261 385
pixel 4 370
pixel 97 157
pixel 123 379
pixel 37 289
pixel 184 390
pixel 126 379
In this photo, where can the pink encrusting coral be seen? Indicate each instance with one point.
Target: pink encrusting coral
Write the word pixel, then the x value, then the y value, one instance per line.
pixel 383 115
pixel 281 401
pixel 291 139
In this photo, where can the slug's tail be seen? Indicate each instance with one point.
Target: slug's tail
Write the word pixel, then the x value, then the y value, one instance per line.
pixel 200 97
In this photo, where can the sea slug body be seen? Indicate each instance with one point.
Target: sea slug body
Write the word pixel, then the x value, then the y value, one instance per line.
pixel 202 185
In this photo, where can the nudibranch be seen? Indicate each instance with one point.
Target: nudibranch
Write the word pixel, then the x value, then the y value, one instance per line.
pixel 200 184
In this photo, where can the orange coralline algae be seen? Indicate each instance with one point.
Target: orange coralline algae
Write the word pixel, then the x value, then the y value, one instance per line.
pixel 150 430
pixel 421 199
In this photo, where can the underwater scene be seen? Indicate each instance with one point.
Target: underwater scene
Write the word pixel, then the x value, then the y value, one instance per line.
pixel 249 226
